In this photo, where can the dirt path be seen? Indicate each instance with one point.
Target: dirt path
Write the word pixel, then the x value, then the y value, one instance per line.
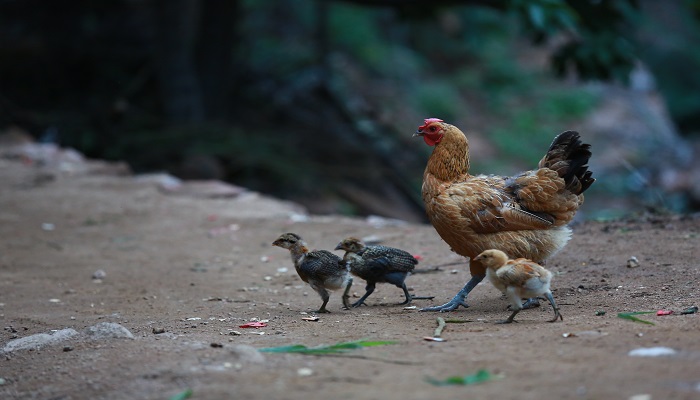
pixel 196 269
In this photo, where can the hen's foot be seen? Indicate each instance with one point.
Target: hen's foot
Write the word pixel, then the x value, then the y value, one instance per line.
pixel 508 321
pixel 531 303
pixel 450 306
pixel 358 303
pixel 323 311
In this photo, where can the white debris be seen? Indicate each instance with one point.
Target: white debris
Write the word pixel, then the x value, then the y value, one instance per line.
pixel 652 352
pixel 305 372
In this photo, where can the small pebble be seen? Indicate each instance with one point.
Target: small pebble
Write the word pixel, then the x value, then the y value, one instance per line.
pixel 99 274
pixel 632 262
pixel 217 345
pixel 158 331
pixel 67 348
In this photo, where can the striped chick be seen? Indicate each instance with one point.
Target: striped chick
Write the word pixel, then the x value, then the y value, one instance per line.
pixel 518 279
pixel 321 269
pixel 377 264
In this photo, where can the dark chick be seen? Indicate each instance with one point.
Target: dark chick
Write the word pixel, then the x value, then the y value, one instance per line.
pixel 321 269
pixel 376 264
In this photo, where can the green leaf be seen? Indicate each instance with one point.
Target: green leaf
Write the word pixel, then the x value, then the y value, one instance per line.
pixel 480 376
pixel 185 394
pixel 536 16
pixel 332 349
pixel 631 316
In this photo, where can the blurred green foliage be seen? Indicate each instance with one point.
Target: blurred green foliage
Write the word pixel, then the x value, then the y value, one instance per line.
pixel 322 92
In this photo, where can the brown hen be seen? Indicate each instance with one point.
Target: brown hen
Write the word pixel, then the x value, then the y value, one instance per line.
pixel 525 215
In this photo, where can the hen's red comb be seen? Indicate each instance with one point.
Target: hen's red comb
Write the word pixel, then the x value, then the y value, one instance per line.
pixel 429 121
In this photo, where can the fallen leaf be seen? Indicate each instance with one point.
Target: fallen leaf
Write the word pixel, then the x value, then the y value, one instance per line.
pixel 253 325
pixel 631 316
pixel 184 395
pixel 332 349
pixel 480 376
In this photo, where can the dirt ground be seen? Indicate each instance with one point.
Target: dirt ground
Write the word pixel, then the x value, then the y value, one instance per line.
pixel 198 268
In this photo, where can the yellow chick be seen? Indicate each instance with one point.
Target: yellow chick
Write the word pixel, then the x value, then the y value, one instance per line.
pixel 518 279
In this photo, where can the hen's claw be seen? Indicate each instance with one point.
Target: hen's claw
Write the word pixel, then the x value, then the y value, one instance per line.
pixel 531 303
pixel 450 306
pixel 358 303
pixel 460 298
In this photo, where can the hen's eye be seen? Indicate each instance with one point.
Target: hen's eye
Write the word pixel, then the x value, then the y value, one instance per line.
pixel 432 129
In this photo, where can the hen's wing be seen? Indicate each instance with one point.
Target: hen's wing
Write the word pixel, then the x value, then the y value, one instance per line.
pixel 486 205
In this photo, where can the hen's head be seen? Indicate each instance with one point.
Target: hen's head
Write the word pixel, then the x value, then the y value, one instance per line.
pixel 492 258
pixel 432 130
pixel 288 240
pixel 351 244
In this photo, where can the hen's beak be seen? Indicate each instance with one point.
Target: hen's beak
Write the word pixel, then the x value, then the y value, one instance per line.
pixel 419 133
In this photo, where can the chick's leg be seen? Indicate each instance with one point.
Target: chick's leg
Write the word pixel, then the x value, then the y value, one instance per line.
pixel 460 298
pixel 516 305
pixel 557 314
pixel 368 290
pixel 324 296
pixel 405 293
pixel 346 295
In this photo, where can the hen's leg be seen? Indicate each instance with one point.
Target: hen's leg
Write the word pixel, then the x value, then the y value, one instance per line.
pixel 369 289
pixel 460 298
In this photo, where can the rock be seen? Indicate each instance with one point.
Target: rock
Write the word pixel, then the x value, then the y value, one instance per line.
pixel 243 353
pixel 632 262
pixel 39 340
pixel 108 330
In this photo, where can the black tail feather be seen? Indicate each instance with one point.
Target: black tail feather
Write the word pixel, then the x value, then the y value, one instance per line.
pixel 569 157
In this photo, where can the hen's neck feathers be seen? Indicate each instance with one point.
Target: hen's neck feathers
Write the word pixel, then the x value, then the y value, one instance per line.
pixel 450 158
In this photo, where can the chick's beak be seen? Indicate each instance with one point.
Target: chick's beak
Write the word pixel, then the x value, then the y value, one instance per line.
pixel 276 243
pixel 339 246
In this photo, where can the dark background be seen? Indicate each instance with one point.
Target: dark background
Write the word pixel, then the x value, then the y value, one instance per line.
pixel 316 101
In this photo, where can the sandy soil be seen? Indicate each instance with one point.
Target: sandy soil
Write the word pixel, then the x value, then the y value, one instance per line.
pixel 199 268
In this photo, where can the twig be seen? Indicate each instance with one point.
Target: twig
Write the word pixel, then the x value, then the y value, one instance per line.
pixel 422 297
pixel 435 268
pixel 440 327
